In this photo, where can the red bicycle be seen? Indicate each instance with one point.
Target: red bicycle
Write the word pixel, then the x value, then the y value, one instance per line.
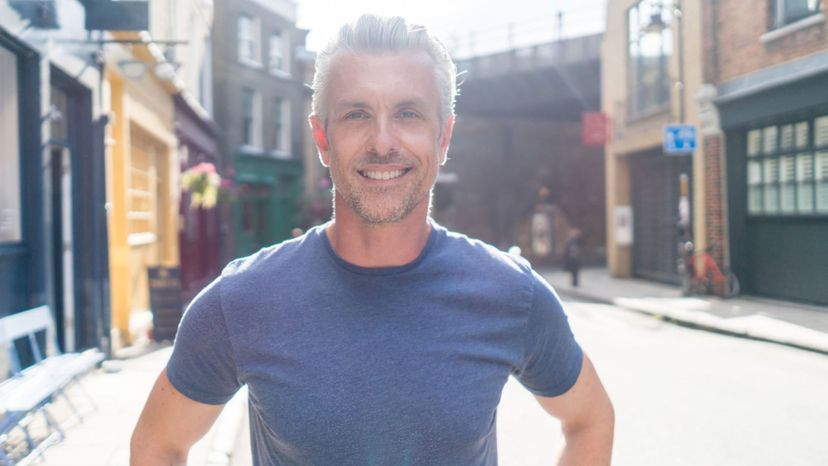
pixel 708 278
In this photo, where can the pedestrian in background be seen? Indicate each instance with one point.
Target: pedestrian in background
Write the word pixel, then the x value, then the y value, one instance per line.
pixel 572 254
pixel 379 337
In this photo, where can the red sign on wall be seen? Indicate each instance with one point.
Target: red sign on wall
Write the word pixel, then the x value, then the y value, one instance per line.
pixel 595 129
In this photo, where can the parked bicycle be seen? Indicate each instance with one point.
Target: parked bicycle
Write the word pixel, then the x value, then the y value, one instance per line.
pixel 707 278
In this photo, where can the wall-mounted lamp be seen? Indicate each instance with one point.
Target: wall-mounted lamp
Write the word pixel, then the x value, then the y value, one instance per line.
pixel 135 69
pixel 132 69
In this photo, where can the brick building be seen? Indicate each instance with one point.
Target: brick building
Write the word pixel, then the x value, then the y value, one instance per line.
pixel 770 72
pixel 756 87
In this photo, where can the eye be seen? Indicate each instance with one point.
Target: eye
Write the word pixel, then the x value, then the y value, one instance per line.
pixel 356 115
pixel 408 114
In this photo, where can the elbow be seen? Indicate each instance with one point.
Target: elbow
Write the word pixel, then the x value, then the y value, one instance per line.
pixel 599 424
pixel 146 450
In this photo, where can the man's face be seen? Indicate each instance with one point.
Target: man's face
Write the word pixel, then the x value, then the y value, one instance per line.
pixel 384 140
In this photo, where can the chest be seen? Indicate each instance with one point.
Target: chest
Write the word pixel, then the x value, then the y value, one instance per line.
pixel 409 371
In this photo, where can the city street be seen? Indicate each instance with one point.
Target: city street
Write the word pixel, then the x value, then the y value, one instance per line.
pixel 685 397
pixel 682 397
pixel 662 164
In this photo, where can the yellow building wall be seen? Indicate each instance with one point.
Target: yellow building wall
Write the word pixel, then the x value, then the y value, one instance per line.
pixel 646 133
pixel 142 194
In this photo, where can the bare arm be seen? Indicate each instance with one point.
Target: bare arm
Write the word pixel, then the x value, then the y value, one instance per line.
pixel 587 419
pixel 169 425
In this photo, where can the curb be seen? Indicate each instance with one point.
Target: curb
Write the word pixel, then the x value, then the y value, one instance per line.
pixel 755 327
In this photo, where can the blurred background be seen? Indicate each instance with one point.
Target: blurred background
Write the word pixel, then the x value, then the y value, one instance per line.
pixel 665 147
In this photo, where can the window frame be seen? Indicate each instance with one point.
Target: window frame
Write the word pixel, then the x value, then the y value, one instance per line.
pixel 635 108
pixel 254 41
pixel 808 151
pixel 282 127
pixel 283 69
pixel 252 134
pixel 13 164
pixel 777 15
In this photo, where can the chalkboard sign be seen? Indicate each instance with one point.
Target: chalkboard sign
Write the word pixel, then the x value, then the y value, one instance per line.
pixel 165 300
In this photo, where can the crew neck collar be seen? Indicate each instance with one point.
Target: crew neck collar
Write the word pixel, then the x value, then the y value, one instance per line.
pixel 391 270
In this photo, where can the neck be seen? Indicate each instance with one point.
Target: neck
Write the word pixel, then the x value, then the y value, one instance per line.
pixel 380 245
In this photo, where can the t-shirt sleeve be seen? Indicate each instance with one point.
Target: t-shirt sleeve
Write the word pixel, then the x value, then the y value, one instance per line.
pixel 552 358
pixel 202 366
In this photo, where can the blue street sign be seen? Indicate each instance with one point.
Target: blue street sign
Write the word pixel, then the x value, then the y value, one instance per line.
pixel 679 139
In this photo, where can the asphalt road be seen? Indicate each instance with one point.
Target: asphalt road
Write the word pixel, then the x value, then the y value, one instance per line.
pixel 682 397
pixel 685 397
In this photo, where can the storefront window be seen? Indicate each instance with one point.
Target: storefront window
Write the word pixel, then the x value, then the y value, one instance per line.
pixel 821 142
pixel 822 182
pixel 10 223
pixel 787 186
pixel 770 185
pixel 787 168
pixel 805 183
pixel 754 187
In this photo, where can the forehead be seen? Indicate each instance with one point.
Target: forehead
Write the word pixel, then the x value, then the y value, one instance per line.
pixel 387 76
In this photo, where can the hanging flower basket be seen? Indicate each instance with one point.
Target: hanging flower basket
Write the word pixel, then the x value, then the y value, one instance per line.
pixel 202 182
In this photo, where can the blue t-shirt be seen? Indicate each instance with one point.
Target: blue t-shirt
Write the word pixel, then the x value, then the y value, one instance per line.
pixel 349 365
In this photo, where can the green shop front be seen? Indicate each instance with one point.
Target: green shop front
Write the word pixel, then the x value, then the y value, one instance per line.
pixel 266 201
pixel 776 126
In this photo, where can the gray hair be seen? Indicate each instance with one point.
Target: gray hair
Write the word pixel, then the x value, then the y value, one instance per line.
pixel 377 34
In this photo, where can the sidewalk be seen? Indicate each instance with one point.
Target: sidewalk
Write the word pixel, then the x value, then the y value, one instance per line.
pixel 793 324
pixel 120 389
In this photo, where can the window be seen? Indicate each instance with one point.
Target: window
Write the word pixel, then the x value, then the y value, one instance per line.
pixel 251 118
pixel 783 12
pixel 280 142
pixel 279 59
pixel 787 168
pixel 249 43
pixel 10 223
pixel 144 214
pixel 205 77
pixel 649 46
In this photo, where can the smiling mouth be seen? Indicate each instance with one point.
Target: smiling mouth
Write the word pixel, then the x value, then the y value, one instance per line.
pixel 383 175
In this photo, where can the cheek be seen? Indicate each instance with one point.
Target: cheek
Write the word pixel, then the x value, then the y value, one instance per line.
pixel 347 142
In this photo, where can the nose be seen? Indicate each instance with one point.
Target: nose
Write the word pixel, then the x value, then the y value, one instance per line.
pixel 384 139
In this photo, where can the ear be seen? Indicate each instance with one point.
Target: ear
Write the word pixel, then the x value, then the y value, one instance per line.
pixel 321 139
pixel 445 138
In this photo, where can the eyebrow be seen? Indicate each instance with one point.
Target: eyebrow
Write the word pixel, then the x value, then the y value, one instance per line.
pixel 351 104
pixel 417 103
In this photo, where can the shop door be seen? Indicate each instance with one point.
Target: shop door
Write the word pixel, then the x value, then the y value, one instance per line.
pixel 655 200
pixel 62 238
pixel 62 247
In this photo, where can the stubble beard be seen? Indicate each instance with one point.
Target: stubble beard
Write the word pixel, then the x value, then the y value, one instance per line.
pixel 367 205
pixel 382 205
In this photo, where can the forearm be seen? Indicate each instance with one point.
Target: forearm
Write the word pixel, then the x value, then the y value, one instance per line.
pixel 156 458
pixel 588 445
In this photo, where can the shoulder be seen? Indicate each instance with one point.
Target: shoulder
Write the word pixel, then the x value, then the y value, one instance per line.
pixel 273 258
pixel 465 248
pixel 474 257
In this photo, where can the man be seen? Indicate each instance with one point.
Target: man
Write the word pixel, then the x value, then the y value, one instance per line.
pixel 379 338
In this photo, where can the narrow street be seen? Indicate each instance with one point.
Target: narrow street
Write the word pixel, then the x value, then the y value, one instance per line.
pixel 685 397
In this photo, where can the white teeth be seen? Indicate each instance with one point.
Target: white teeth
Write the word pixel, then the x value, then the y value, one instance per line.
pixel 384 175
